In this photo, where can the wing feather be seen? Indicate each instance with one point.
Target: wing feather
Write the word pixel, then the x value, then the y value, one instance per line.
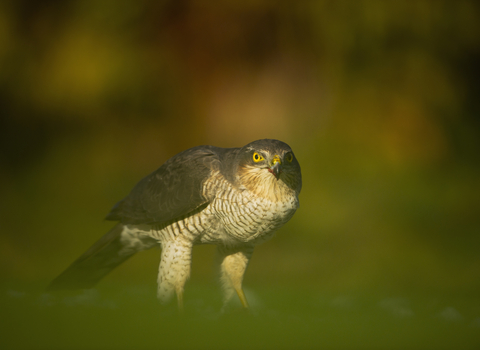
pixel 173 190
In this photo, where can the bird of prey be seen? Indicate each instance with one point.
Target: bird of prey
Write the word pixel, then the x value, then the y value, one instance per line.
pixel 234 198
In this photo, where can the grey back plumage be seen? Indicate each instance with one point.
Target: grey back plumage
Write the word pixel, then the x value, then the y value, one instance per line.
pixel 173 190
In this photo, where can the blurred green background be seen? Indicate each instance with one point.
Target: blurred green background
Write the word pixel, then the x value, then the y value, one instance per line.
pixel 378 99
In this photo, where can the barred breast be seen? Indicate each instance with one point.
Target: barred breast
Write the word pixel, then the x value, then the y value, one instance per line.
pixel 234 216
pixel 244 216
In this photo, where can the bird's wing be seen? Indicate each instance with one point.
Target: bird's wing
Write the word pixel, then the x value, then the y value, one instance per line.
pixel 173 190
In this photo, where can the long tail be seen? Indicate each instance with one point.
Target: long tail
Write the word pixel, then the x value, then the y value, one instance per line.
pixel 106 254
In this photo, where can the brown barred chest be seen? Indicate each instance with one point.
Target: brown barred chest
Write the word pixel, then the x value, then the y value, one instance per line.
pixel 244 217
pixel 233 216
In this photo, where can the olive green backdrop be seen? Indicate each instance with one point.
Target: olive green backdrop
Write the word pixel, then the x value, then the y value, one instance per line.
pixel 379 101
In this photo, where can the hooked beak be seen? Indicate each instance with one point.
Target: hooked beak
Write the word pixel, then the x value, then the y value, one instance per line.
pixel 276 167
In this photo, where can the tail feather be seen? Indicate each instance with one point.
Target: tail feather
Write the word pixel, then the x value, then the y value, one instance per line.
pixel 95 263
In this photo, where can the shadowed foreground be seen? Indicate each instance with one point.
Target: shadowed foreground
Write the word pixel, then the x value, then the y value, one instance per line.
pixel 131 318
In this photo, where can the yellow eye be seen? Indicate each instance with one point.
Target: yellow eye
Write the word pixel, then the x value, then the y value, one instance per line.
pixel 257 157
pixel 289 157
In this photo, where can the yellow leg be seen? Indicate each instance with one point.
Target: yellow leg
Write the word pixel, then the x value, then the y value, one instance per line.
pixel 180 300
pixel 242 297
pixel 233 266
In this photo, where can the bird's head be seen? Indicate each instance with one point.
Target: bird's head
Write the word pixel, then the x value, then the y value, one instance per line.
pixel 268 165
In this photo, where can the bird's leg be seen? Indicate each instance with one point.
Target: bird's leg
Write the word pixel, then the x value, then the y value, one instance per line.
pixel 174 270
pixel 234 262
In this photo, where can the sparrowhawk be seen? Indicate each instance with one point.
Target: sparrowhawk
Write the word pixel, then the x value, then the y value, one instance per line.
pixel 235 198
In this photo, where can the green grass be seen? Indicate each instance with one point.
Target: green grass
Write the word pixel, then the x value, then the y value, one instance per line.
pixel 129 317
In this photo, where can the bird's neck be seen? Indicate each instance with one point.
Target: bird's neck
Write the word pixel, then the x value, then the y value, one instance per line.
pixel 264 184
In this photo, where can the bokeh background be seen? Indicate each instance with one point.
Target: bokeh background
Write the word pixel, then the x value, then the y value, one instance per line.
pixel 378 99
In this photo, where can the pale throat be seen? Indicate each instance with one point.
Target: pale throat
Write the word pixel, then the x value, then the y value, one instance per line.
pixel 264 184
